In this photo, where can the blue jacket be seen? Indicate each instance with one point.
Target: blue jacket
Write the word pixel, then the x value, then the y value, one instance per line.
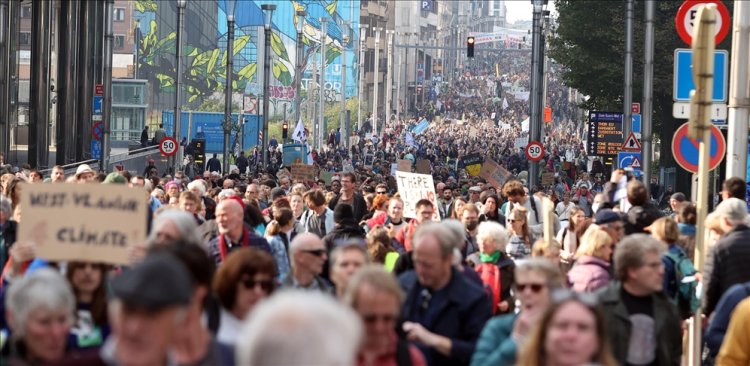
pixel 496 346
pixel 719 323
pixel 461 317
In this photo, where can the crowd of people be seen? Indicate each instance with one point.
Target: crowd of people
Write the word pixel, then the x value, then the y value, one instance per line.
pixel 252 267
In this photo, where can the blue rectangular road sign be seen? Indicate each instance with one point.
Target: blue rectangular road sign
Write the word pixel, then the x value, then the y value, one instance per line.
pixel 683 75
pixel 96 149
pixel 629 160
pixel 98 101
pixel 635 126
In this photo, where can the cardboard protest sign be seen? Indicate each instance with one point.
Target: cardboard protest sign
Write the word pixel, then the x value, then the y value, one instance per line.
pixel 404 165
pixel 303 172
pixel 495 174
pixel 424 166
pixel 473 131
pixel 548 178
pixel 413 187
pixel 473 163
pixel 326 177
pixel 83 222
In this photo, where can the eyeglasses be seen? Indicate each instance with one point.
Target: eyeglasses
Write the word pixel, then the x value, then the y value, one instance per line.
pixel 534 287
pixel 316 252
pixel 372 318
pixel 425 296
pixel 265 285
pixel 381 192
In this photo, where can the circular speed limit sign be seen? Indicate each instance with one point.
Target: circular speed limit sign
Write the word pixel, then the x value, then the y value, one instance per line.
pixel 534 151
pixel 168 146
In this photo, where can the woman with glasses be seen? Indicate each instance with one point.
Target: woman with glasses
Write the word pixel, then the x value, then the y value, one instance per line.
pixel 571 332
pixel 89 283
pixel 592 269
pixel 535 279
pixel 521 238
pixel 244 279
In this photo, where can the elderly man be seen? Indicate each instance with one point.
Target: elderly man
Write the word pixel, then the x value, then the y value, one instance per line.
pixel 727 262
pixel 149 308
pixel 642 324
pixel 233 233
pixel 444 311
pixel 308 254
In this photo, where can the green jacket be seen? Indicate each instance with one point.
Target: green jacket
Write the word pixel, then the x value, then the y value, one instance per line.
pixel 495 345
pixel 617 320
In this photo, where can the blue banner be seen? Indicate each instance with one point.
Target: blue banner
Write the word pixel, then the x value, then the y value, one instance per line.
pixel 421 127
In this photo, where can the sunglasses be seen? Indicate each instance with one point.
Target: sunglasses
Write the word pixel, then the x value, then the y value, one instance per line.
pixel 382 192
pixel 316 252
pixel 372 318
pixel 266 285
pixel 534 287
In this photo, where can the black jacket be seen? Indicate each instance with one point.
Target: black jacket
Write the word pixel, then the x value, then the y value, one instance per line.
pixel 358 205
pixel 639 217
pixel 344 231
pixel 727 265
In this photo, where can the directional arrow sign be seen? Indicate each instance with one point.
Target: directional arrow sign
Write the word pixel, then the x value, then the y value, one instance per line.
pixel 718 112
pixel 629 160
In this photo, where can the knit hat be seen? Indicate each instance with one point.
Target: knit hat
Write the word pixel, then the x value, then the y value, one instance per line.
pixel 115 178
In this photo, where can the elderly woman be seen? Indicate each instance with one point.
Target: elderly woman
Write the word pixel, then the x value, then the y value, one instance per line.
pixel 244 279
pixel 171 225
pixel 40 310
pixel 592 269
pixel 535 279
pixel 493 265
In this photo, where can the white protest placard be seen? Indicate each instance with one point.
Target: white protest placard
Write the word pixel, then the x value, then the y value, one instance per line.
pixel 521 142
pixel 83 222
pixel 413 187
pixel 394 169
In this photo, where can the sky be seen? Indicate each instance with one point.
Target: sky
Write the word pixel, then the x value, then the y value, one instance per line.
pixel 522 10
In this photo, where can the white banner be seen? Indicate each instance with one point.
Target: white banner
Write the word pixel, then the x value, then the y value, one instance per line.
pixel 414 187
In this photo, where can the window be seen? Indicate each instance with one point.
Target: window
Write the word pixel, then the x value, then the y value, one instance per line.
pixel 26 11
pixel 25 39
pixel 119 42
pixel 119 14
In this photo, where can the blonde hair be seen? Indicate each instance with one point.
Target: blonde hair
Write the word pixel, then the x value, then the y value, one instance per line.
pixel 666 230
pixel 593 240
pixel 546 249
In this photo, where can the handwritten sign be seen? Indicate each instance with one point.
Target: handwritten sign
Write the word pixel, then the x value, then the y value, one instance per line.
pixel 89 222
pixel 413 187
pixel 548 178
pixel 521 142
pixel 404 165
pixel 473 163
pixel 424 166
pixel 495 174
pixel 303 172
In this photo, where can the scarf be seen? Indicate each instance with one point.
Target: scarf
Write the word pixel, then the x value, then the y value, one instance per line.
pixel 224 248
pixel 489 258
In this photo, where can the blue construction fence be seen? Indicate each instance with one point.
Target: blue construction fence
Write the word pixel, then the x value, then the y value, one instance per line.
pixel 210 124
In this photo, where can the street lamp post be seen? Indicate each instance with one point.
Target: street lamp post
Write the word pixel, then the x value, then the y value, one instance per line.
pixel 228 90
pixel 268 10
pixel 362 38
pixel 300 59
pixel 321 117
pixel 376 80
pixel 343 124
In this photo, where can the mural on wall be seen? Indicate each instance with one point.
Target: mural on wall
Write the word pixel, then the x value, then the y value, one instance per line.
pixel 205 67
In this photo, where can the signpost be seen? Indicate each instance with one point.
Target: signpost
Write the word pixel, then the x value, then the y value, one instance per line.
pixel 718 112
pixel 635 108
pixel 604 136
pixel 685 149
pixel 535 151
pixel 168 146
pixel 628 159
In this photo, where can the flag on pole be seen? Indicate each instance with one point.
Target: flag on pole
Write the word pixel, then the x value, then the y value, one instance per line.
pixel 299 132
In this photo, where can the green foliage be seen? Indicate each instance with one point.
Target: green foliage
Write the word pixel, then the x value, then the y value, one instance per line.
pixel 278 46
pixel 145 5
pixel 332 54
pixel 331 8
pixel 281 73
pixel 332 113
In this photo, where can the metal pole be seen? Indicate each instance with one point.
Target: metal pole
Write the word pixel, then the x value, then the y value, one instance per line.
pixel 109 39
pixel 177 159
pixel 137 41
pixel 398 87
pixel 739 93
pixel 228 93
pixel 300 59
pixel 535 121
pixel 268 10
pixel 311 93
pixel 39 95
pixel 376 80
pixel 361 70
pixel 648 89
pixel 388 77
pixel 628 94
pixel 416 70
pixel 343 125
pixel 322 88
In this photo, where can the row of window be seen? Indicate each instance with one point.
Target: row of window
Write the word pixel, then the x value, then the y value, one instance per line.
pixel 119 13
pixel 25 40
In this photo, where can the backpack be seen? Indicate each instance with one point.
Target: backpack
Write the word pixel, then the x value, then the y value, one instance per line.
pixel 685 295
pixel 490 275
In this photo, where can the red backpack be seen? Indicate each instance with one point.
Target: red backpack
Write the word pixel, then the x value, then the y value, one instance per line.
pixel 490 275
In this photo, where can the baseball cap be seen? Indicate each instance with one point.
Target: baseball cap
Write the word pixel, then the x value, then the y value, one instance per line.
pixel 158 282
pixel 475 189
pixel 605 216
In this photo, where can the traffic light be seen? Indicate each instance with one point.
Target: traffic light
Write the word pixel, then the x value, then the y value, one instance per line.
pixel 470 46
pixel 284 130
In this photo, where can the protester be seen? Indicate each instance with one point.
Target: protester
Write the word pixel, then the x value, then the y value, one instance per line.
pixel 592 267
pixel 308 254
pixel 233 233
pixel 346 260
pixel 494 266
pixel 345 228
pixel 521 237
pixel 89 283
pixel 318 219
pixel 719 322
pixel 424 211
pixel 567 235
pixel 350 197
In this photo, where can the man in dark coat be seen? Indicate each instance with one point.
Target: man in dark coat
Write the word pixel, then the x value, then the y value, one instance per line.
pixel 242 163
pixel 214 165
pixel 349 196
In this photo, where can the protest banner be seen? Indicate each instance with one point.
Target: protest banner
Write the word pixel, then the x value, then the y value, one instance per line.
pixel 83 222
pixel 424 166
pixel 548 179
pixel 413 187
pixel 521 142
pixel 303 172
pixel 472 163
pixel 404 165
pixel 495 174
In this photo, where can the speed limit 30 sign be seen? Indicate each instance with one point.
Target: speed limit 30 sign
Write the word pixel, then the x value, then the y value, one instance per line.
pixel 534 151
pixel 168 146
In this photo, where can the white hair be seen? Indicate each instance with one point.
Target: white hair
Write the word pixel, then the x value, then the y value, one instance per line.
pixel 44 288
pixel 280 331
pixel 226 193
pixel 496 232
pixel 197 184
pixel 182 220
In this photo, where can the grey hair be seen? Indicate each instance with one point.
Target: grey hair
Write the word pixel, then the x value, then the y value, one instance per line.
pixel 183 221
pixel 630 251
pixel 6 207
pixel 496 232
pixel 44 288
pixel 281 332
pixel 197 185
pixel 445 236
pixel 457 231
pixel 157 191
pixel 226 193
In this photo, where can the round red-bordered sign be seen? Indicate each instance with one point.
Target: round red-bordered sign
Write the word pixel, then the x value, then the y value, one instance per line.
pixel 689 9
pixel 97 130
pixel 685 149
pixel 168 146
pixel 534 151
